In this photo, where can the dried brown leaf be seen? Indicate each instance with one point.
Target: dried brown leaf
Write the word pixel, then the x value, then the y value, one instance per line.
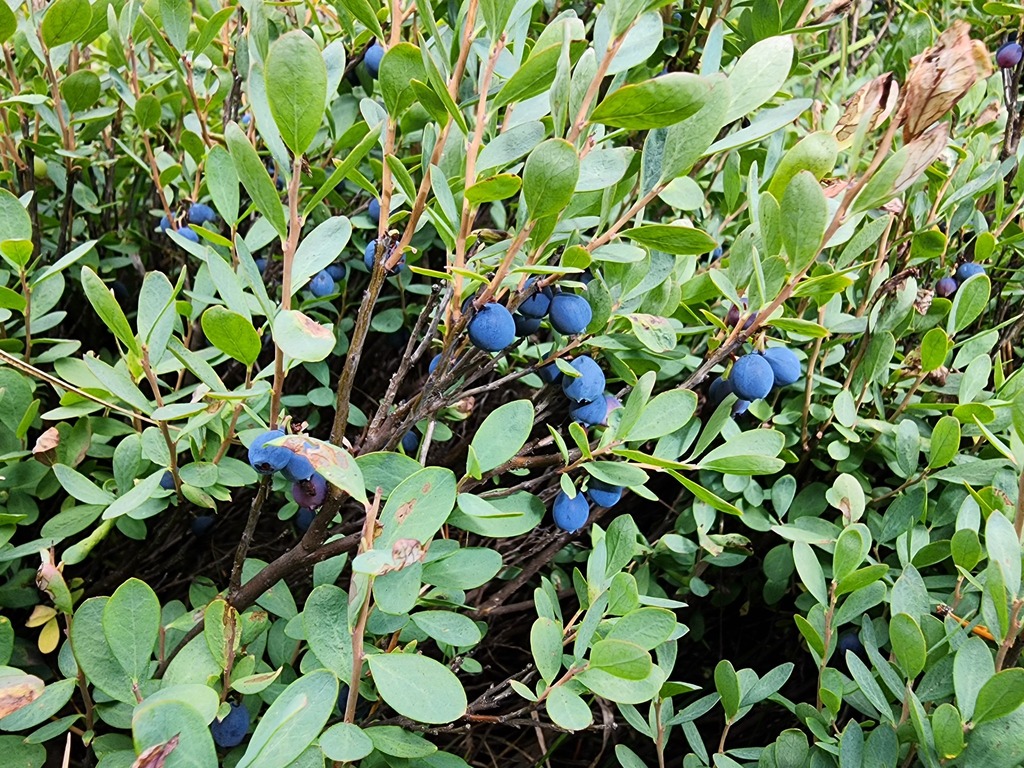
pixel 874 102
pixel 17 691
pixel 157 755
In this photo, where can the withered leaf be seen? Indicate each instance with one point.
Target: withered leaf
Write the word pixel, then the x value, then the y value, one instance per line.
pixel 873 103
pixel 920 153
pixel 17 691
pixel 156 756
pixel 940 76
pixel 45 449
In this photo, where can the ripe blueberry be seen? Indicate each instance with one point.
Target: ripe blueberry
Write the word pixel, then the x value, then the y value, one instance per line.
pixel 613 402
pixel 165 223
pixel 740 407
pixel 370 256
pixel 310 493
pixel 785 365
pixel 570 514
pixel 304 519
pixel 848 641
pixel 525 326
pixel 410 442
pixel 946 287
pixel 372 58
pixel 167 481
pixel 373 209
pixel 189 234
pixel 337 272
pixel 717 253
pixel 268 459
pixel 202 525
pixel 590 414
pixel 538 303
pixel 298 468
pixel 230 732
pixel 752 377
pixel 968 269
pixel 492 328
pixel 432 365
pixel 261 265
pixel 589 385
pixel 200 213
pixel 719 390
pixel 1009 55
pixel 603 494
pixel 322 284
pixel 732 317
pixel 570 314
pixel 549 373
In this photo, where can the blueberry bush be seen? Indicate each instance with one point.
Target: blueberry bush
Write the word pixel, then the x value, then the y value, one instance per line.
pixel 424 385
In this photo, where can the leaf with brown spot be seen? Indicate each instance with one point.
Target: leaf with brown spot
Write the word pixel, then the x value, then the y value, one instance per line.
pixel 17 691
pixel 873 103
pixel 404 511
pixel 940 76
pixel 157 755
pixel 334 463
pixel 45 449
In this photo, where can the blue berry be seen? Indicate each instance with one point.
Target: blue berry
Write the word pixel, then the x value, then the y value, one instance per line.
pixel 372 58
pixel 752 377
pixel 165 223
pixel 370 257
pixel 549 373
pixel 268 459
pixel 337 272
pixel 603 494
pixel 538 303
pixel 1009 55
pixel 167 481
pixel 570 514
pixel 719 390
pixel 968 269
pixel 432 366
pixel 298 468
pixel 261 265
pixel 410 442
pixel 590 414
pixel 373 209
pixel 200 213
pixel 230 732
pixel 202 525
pixel 525 326
pixel 570 314
pixel 848 641
pixel 492 328
pixel 189 234
pixel 304 518
pixel 322 284
pixel 589 385
pixel 785 365
pixel 946 287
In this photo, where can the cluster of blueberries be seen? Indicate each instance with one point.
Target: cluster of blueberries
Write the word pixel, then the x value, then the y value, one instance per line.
pixel 493 327
pixel 198 213
pixel 754 375
pixel 947 286
pixel 309 488
pixel 571 512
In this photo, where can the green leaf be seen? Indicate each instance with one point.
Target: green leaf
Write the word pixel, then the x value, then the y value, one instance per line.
pixel 852 547
pixel 546 647
pixel 363 12
pixel 418 687
pixel 402 64
pixel 160 720
pixel 175 18
pixel 15 223
pixel 222 182
pixel 809 569
pixel 8 22
pixel 255 178
pixel 499 187
pixel 999 696
pixel 969 302
pixel 533 78
pixel 727 683
pixel 973 666
pixel 345 742
pixel 503 434
pixel 296 78
pixel 94 655
pixel 65 21
pixel 398 742
pixel 418 507
pixel 759 74
pixel 50 700
pixel 292 722
pixel 568 709
pixel 325 625
pixel 301 337
pixel 647 627
pixel 908 644
pixel 103 302
pixel 80 90
pixel 656 103
pixel 222 631
pixel 496 15
pixel 804 214
pixel 948 731
pixel 934 348
pixel 232 334
pixel 549 178
pixel 448 627
pixel 674 239
pixel 80 487
pixel 663 415
pixel 131 625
